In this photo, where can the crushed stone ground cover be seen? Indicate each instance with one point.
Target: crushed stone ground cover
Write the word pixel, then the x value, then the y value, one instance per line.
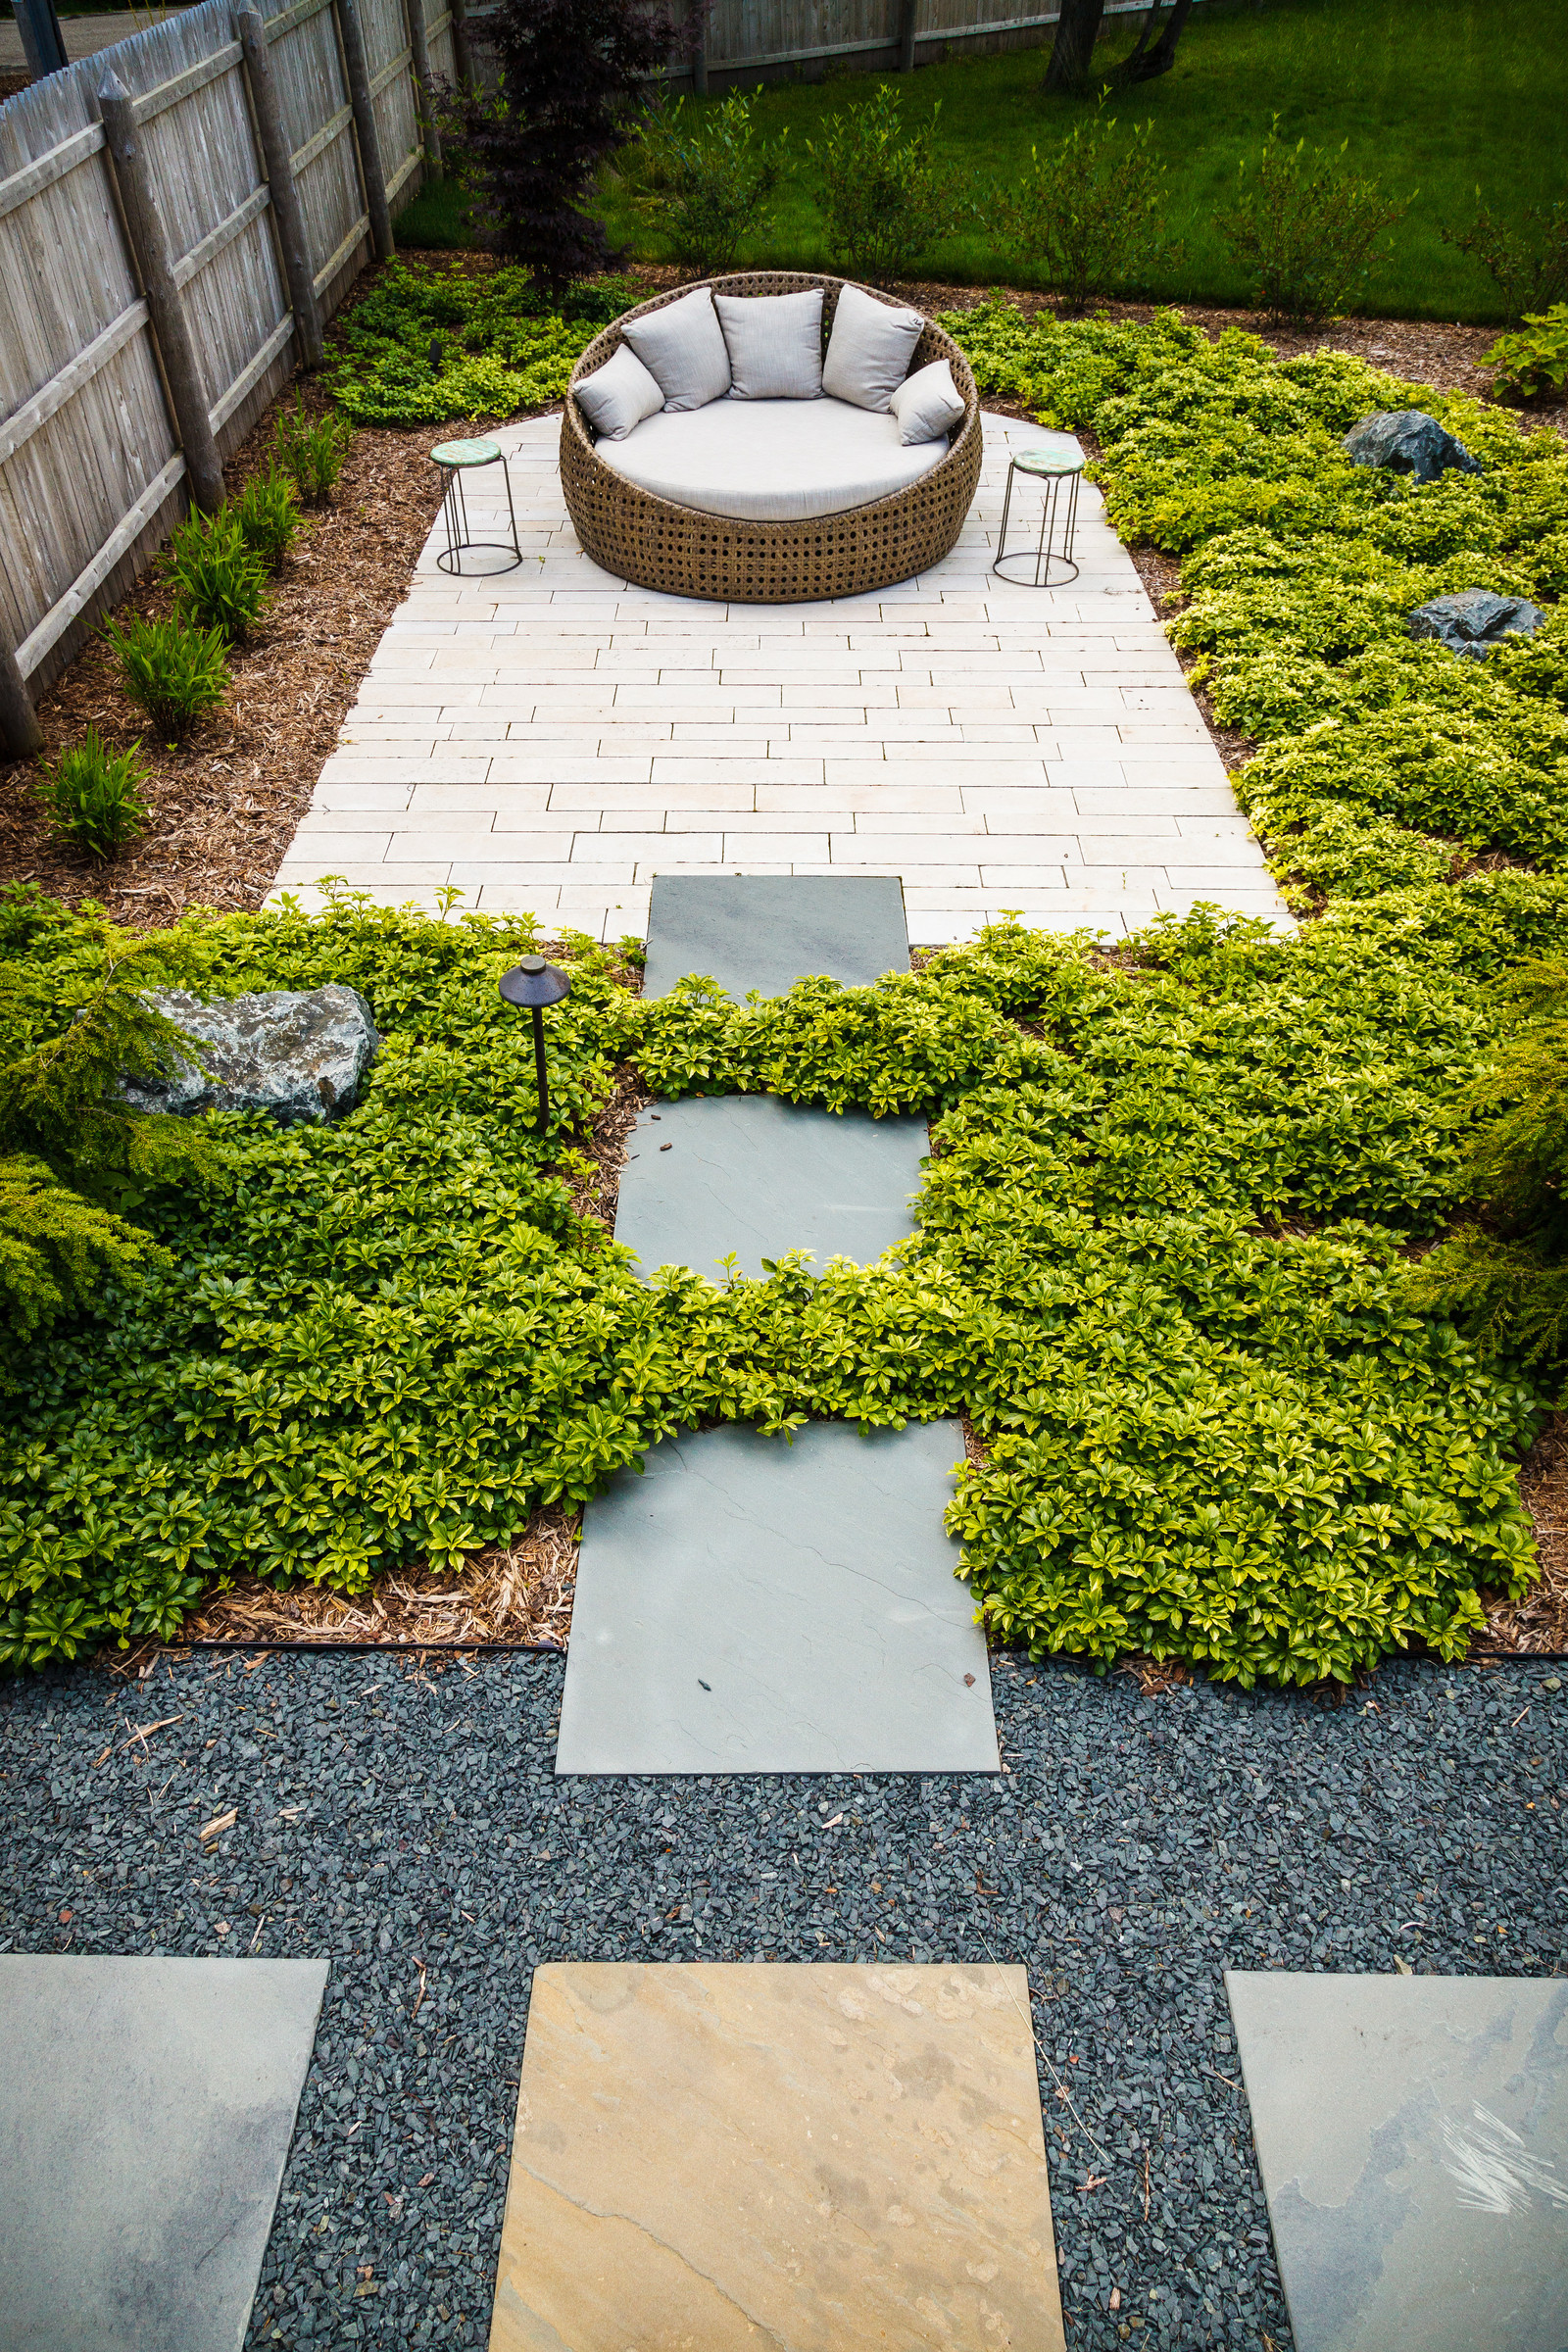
pixel 410 1826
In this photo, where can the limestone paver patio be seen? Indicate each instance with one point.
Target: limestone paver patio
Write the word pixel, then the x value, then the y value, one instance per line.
pixel 550 738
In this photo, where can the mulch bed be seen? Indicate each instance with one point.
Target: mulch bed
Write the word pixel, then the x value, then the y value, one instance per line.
pixel 512 1597
pixel 225 805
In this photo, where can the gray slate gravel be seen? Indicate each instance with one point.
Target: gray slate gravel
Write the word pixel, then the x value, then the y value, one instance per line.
pixel 1135 1847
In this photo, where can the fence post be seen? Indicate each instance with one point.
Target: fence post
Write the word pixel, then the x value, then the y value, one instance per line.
pixel 908 20
pixel 43 43
pixel 421 88
pixel 150 242
pixel 697 36
pixel 358 80
pixel 251 33
pixel 21 736
pixel 461 54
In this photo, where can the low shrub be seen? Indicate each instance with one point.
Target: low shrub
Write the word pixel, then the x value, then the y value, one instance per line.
pixel 268 512
pixel 1306 225
pixel 174 671
pixel 1089 214
pixel 1528 263
pixel 703 180
pixel 312 450
pixel 431 347
pixel 886 198
pixel 93 797
pixel 218 582
pixel 1533 365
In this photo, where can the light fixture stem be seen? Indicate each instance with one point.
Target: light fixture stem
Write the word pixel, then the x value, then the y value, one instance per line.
pixel 542 1122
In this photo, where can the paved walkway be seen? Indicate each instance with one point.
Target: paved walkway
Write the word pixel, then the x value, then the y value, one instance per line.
pixel 552 738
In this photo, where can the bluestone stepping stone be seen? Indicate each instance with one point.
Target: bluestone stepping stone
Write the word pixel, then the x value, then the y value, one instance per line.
pixel 807 2157
pixel 1413 2137
pixel 767 931
pixel 146 2107
pixel 755 1175
pixel 751 1605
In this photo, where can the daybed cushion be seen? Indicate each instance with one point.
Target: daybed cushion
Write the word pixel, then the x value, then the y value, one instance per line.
pixel 774 343
pixel 683 349
pixel 869 350
pixel 618 396
pixel 927 403
pixel 771 461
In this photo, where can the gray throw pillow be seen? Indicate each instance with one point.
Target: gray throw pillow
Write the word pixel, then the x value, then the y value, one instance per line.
pixel 683 350
pixel 774 343
pixel 927 404
pixel 869 350
pixel 618 396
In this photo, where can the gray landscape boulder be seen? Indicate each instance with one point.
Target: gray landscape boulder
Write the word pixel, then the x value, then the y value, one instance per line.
pixel 1407 441
pixel 1474 620
pixel 301 1054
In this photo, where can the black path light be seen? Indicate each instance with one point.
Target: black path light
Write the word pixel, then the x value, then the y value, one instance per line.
pixel 536 984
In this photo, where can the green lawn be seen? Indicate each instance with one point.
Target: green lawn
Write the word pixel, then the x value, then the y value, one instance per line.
pixel 1434 97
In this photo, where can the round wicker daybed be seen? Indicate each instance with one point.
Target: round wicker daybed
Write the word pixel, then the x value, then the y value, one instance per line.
pixel 639 536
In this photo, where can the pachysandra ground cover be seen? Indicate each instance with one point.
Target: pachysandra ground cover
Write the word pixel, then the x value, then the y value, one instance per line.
pixel 1166 1230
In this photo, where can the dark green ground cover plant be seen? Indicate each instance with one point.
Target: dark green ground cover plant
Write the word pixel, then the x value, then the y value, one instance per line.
pixel 425 347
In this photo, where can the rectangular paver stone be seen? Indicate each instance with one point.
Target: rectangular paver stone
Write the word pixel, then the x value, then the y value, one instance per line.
pixel 809 2158
pixel 767 931
pixel 1413 2137
pixel 146 2107
pixel 756 1176
pixel 749 1605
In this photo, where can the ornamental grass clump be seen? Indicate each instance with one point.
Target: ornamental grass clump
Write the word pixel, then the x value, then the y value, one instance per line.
pixel 312 450
pixel 217 581
pixel 268 512
pixel 174 671
pixel 93 797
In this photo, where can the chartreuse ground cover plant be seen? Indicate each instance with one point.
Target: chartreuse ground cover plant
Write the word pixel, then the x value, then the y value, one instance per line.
pixel 1161 1265
pixel 1165 1259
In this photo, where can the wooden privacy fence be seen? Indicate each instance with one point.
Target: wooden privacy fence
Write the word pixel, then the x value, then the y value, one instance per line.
pixel 740 40
pixel 167 252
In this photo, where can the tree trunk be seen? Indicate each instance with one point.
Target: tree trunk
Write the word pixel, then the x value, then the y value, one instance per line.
pixel 1077 31
pixel 1146 63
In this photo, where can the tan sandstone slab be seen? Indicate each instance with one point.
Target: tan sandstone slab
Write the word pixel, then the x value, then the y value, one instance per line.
pixel 792 2156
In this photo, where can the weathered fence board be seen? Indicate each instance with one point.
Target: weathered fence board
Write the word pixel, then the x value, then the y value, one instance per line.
pixel 93 477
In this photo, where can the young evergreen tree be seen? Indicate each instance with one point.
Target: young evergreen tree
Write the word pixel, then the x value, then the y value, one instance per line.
pixel 570 72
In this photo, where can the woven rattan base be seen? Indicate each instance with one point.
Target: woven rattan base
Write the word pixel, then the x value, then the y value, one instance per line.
pixel 682 552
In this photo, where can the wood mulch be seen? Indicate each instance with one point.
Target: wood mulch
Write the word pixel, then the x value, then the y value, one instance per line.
pixel 512 1597
pixel 224 804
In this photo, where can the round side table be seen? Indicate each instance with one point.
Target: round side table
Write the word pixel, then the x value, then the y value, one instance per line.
pixel 1059 474
pixel 456 458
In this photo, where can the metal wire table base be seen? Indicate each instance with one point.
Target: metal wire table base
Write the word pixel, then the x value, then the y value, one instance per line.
pixel 1052 565
pixel 455 515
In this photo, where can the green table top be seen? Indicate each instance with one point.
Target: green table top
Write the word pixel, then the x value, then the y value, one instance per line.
pixel 1047 460
pixel 466 452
